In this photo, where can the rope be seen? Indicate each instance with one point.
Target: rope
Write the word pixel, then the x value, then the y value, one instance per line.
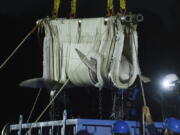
pixel 21 43
pixel 34 105
pixel 52 100
pixel 142 88
pixel 56 8
pixel 100 104
pixel 162 109
pixel 113 114
pixel 122 104
pixel 54 97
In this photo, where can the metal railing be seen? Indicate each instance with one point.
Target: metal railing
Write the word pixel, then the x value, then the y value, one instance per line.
pixel 70 127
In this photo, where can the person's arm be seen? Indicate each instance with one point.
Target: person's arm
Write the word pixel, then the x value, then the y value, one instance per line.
pixel 150 126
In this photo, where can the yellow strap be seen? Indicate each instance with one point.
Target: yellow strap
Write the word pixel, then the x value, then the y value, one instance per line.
pixel 110 5
pixel 110 8
pixel 56 8
pixel 123 5
pixel 73 8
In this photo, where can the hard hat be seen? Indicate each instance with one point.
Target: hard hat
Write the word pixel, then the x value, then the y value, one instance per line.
pixel 173 124
pixel 170 81
pixel 120 127
pixel 171 78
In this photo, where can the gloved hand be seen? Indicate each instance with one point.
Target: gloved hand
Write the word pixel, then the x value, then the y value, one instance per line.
pixel 146 112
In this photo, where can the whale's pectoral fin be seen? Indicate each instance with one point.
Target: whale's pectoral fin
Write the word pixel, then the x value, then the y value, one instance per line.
pixel 41 83
pixel 33 83
pixel 91 64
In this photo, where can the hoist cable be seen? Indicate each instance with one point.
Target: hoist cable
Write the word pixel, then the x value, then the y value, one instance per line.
pixel 122 104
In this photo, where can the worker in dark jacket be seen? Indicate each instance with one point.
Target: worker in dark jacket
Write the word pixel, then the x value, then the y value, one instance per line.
pixel 172 125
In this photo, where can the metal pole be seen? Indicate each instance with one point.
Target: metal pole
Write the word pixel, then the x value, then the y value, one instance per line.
pixel 20 124
pixel 63 130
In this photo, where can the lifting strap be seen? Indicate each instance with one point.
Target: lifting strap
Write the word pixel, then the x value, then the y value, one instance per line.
pixel 122 6
pixel 110 8
pixel 73 9
pixel 56 8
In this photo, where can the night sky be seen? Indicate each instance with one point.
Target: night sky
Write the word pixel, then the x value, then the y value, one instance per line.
pixel 159 46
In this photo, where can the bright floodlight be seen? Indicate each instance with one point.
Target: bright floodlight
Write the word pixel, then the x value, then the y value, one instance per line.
pixel 167 84
pixel 169 81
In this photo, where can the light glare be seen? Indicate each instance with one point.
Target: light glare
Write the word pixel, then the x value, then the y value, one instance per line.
pixel 168 85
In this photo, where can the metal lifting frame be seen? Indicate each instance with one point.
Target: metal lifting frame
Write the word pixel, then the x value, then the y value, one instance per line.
pixel 93 126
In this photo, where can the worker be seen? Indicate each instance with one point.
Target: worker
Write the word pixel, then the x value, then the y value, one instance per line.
pixel 172 125
pixel 120 127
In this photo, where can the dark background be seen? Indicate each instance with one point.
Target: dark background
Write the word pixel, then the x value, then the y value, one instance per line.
pixel 159 45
